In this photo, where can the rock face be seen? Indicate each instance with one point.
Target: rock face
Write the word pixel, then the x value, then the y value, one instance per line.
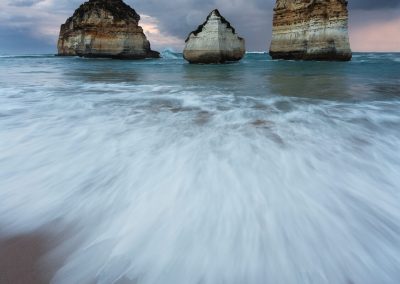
pixel 104 28
pixel 215 41
pixel 310 30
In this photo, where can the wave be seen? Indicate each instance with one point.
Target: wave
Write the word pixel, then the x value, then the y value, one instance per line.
pixel 256 52
pixel 169 53
pixel 28 56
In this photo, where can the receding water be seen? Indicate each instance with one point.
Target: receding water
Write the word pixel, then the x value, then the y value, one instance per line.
pixel 256 172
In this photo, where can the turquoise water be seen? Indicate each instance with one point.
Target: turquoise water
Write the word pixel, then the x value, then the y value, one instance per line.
pixel 255 172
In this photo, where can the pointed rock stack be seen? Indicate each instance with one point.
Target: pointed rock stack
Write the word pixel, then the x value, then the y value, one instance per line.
pixel 104 28
pixel 215 41
pixel 311 30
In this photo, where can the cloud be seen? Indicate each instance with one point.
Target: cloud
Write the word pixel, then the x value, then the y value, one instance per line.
pixel 373 4
pixel 25 3
pixel 167 23
pixel 251 18
pixel 36 19
pixel 159 39
pixel 380 33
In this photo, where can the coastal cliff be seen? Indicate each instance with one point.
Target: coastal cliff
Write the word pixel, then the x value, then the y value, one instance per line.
pixel 310 30
pixel 104 28
pixel 215 41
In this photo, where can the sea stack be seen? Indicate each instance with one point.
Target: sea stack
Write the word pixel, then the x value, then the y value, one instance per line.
pixel 215 41
pixel 311 30
pixel 107 29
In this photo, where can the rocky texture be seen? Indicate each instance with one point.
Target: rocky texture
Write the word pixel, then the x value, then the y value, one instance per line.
pixel 104 28
pixel 215 41
pixel 310 30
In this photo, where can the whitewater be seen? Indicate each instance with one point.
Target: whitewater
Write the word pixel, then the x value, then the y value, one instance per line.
pixel 159 171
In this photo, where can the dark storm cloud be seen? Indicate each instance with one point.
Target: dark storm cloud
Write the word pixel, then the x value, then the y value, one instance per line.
pixel 17 41
pixel 25 3
pixel 251 18
pixel 373 4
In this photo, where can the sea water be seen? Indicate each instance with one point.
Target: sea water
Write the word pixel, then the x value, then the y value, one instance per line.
pixel 255 172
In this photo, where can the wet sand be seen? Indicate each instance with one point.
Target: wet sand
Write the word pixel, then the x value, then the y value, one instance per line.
pixel 35 258
pixel 26 259
pixel 20 260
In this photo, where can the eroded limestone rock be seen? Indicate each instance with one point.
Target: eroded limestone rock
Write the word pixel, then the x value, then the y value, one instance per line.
pixel 311 30
pixel 215 41
pixel 104 28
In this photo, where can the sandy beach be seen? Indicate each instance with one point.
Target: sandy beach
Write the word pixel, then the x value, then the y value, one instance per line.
pixel 32 258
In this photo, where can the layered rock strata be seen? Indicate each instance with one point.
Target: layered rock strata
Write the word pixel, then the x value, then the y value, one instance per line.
pixel 104 28
pixel 215 41
pixel 310 30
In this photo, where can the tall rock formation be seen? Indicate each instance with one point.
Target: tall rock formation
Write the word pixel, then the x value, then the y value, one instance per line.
pixel 215 41
pixel 310 30
pixel 104 28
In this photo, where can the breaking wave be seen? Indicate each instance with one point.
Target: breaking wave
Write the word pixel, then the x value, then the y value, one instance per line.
pixel 170 54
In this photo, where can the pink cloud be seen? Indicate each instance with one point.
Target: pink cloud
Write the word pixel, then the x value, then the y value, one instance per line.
pixel 376 36
pixel 159 39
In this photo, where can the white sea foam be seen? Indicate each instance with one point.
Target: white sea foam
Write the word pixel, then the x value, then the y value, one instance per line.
pixel 170 53
pixel 26 56
pixel 256 52
pixel 169 184
pixel 166 172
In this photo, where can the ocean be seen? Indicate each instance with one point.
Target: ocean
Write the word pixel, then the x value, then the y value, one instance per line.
pixel 158 171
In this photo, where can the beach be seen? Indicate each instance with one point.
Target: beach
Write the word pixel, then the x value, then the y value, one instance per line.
pixel 159 171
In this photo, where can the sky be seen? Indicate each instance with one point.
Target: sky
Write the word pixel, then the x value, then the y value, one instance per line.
pixel 32 26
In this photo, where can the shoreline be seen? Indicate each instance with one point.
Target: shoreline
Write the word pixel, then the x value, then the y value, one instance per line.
pixel 33 257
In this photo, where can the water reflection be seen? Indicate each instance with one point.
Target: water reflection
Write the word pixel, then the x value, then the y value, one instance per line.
pixel 103 71
pixel 220 74
pixel 314 80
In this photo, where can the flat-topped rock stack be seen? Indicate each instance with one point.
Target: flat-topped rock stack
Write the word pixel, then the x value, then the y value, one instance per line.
pixel 104 28
pixel 310 30
pixel 215 41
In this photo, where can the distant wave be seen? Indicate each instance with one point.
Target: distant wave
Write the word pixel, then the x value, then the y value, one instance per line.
pixel 169 53
pixel 375 57
pixel 256 52
pixel 28 56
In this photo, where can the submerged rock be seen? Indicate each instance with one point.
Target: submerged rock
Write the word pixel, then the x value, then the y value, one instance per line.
pixel 104 28
pixel 311 30
pixel 215 41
